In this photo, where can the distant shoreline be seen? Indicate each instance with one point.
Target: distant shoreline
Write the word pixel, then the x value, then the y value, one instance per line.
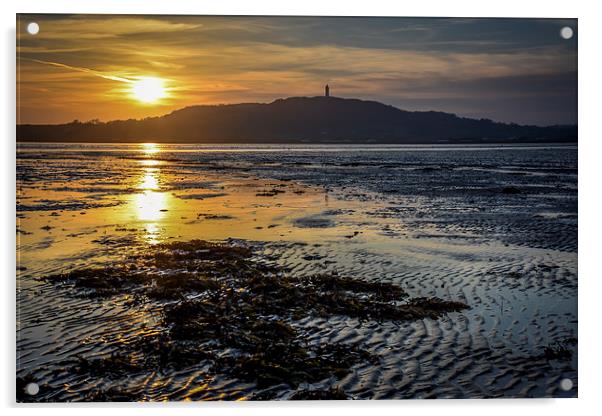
pixel 321 120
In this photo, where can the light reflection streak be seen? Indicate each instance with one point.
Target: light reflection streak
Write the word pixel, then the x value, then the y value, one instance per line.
pixel 149 180
pixel 150 148
pixel 151 204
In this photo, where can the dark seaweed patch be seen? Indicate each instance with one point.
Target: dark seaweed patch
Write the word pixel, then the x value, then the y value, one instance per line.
pixel 102 281
pixel 236 315
pixel 116 364
pixel 560 350
pixel 177 285
pixel 112 394
pixel 215 217
pixel 334 393
pixel 271 192
pixel 510 190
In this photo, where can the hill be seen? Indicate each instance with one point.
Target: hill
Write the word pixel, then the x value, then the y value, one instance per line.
pixel 298 119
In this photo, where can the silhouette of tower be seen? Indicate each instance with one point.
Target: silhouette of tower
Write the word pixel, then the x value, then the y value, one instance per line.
pixel 326 91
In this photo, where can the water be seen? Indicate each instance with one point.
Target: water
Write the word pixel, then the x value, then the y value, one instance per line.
pixel 493 226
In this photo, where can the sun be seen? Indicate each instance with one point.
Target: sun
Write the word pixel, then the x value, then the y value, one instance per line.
pixel 148 89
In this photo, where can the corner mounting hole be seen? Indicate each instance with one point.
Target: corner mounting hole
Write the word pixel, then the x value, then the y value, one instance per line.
pixel 566 384
pixel 32 389
pixel 566 33
pixel 33 28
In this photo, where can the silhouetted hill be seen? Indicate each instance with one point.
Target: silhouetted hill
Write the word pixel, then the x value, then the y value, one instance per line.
pixel 297 119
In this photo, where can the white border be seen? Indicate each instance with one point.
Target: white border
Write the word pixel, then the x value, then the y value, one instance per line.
pixel 590 200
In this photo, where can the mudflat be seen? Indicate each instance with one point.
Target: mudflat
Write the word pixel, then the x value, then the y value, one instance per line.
pixel 153 272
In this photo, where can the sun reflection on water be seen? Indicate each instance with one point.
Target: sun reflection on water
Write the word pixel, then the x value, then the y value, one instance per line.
pixel 150 148
pixel 151 204
pixel 150 162
pixel 149 180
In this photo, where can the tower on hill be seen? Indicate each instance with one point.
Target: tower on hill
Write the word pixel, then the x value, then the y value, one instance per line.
pixel 326 91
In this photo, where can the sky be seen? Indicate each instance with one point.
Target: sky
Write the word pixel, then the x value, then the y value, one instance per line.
pixel 88 67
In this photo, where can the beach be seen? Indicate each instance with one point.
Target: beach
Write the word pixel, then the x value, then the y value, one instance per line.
pixel 149 272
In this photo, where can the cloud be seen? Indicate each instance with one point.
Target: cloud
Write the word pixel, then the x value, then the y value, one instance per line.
pixel 92 27
pixel 81 69
pixel 450 64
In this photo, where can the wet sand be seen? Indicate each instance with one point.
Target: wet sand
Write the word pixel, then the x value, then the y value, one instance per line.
pixel 413 220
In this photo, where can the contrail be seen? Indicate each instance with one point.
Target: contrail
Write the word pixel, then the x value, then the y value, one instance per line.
pixel 81 69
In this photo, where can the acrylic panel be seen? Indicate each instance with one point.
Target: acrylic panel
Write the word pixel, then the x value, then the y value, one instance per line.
pixel 295 208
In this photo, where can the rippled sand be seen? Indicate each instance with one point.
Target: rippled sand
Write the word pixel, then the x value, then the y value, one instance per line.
pixel 493 228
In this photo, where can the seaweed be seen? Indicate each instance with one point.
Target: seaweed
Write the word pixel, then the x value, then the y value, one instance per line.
pixel 116 364
pixel 271 192
pixel 269 351
pixel 333 393
pixel 235 315
pixel 106 281
pixel 560 350
pixel 177 285
pixel 510 190
pixel 112 394
pixel 288 362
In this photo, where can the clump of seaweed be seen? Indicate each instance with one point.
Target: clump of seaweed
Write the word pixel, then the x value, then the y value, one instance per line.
pixel 235 315
pixel 511 190
pixel 291 364
pixel 271 192
pixel 156 352
pixel 268 351
pixel 214 216
pixel 112 394
pixel 329 294
pixel 333 393
pixel 177 285
pixel 560 350
pixel 106 281
pixel 116 364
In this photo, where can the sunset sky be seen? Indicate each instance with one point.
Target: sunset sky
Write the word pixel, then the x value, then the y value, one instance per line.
pixel 118 67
